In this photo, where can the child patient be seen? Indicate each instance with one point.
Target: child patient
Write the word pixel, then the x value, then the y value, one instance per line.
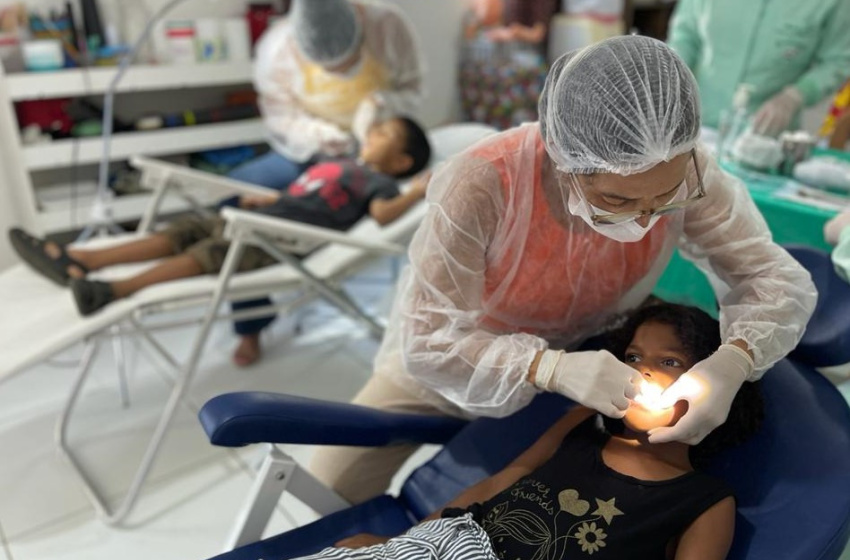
pixel 333 194
pixel 592 486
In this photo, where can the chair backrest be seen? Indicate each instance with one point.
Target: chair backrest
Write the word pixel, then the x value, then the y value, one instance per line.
pixel 826 341
pixel 792 479
pixel 479 450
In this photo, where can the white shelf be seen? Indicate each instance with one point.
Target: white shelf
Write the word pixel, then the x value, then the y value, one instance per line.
pixel 58 154
pixel 94 81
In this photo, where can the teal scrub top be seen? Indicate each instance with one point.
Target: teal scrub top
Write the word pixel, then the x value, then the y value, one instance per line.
pixel 767 43
pixel 841 255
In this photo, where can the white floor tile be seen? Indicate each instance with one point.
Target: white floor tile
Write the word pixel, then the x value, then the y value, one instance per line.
pixel 182 519
pixel 42 504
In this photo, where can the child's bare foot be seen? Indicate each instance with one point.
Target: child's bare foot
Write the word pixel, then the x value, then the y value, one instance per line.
pixel 248 352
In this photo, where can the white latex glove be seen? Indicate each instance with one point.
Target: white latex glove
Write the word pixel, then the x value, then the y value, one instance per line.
pixel 709 387
pixel 776 113
pixel 833 228
pixel 367 114
pixel 595 379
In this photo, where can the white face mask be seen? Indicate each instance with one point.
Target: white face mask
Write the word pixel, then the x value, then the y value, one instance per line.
pixel 627 232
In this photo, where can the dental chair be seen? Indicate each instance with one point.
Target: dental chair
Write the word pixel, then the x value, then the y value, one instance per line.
pixel 47 323
pixel 792 480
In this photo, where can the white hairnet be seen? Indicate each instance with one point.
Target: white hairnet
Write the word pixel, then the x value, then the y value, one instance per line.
pixel 620 106
pixel 327 31
pixel 500 270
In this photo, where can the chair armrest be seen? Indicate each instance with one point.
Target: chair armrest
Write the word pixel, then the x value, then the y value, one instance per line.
pixel 236 419
pixel 153 170
pixel 297 235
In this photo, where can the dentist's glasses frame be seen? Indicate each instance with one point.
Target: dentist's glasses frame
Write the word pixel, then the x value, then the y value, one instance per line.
pixel 623 217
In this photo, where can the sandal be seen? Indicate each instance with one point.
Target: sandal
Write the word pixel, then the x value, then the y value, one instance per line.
pixel 91 295
pixel 33 251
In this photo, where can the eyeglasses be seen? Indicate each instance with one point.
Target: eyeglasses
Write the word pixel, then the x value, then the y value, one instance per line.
pixel 623 217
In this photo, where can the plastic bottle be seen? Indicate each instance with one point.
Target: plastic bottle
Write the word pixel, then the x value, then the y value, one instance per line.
pixel 733 125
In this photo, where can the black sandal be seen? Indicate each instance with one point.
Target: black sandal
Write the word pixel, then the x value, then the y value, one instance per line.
pixel 91 295
pixel 33 251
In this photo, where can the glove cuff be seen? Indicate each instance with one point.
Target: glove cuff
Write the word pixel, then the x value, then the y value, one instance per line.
pixel 742 357
pixel 794 94
pixel 546 368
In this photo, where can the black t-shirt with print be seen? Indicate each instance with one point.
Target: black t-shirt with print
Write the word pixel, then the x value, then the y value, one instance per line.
pixel 333 194
pixel 575 506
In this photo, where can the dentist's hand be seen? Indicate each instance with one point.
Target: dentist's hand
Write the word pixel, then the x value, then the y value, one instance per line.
pixel 709 388
pixel 595 379
pixel 775 115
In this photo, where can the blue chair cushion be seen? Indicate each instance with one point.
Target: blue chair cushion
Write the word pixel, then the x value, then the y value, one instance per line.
pixel 236 419
pixel 792 480
pixel 381 516
pixel 826 341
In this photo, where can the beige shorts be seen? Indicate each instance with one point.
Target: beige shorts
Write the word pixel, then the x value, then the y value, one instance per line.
pixel 203 239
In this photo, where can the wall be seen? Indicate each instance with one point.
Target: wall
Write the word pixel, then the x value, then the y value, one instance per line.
pixel 438 24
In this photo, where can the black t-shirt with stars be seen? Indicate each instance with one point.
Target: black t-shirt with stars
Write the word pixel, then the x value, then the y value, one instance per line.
pixel 575 506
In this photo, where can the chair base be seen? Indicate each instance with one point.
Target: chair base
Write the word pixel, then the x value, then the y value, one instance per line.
pixel 279 473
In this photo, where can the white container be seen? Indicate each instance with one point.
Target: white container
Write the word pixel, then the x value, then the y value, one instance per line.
pixel 237 39
pixel 10 52
pixel 180 41
pixel 208 40
pixel 43 54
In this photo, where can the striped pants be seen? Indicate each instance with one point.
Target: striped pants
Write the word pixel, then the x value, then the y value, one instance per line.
pixel 457 538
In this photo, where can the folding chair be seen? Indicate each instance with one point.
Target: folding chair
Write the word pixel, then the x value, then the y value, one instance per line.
pixel 49 322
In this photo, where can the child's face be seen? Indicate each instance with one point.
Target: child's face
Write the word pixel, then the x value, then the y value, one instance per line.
pixel 383 147
pixel 656 352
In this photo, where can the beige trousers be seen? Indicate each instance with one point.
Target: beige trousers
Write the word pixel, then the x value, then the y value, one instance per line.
pixel 360 473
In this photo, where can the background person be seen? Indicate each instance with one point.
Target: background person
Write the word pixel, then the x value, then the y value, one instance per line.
pixel 793 53
pixel 335 194
pixel 324 75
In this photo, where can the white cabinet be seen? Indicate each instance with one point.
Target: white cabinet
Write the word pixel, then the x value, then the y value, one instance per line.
pixel 41 207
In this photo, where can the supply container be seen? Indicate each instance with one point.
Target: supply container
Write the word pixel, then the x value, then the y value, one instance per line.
pixel 10 52
pixel 43 55
pixel 209 46
pixel 180 40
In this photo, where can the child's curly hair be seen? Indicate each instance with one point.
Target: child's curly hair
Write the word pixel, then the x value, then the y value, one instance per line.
pixel 699 335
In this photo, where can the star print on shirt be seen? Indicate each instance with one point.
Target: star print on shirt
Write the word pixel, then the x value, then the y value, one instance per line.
pixel 607 510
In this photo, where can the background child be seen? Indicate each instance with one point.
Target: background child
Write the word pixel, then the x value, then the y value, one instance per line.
pixel 594 486
pixel 334 194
